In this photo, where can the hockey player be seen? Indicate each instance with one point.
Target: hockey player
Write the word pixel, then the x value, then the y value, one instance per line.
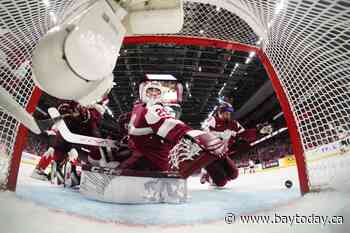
pixel 80 120
pixel 221 124
pixel 251 166
pixel 153 132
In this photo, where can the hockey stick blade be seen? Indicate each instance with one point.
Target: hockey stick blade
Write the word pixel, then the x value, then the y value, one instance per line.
pixel 77 138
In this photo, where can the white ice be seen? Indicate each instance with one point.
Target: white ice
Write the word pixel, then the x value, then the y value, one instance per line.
pixel 41 207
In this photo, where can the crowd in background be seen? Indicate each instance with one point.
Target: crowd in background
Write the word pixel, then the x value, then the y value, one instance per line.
pixel 272 149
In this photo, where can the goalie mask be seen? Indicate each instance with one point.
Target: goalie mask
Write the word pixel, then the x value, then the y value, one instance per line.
pixel 151 93
pixel 160 88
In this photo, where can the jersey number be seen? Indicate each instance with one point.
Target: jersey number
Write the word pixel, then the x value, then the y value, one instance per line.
pixel 162 112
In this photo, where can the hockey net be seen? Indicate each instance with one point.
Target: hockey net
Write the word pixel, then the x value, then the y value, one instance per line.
pixel 306 42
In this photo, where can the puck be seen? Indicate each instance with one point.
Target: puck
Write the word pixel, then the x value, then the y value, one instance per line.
pixel 288 183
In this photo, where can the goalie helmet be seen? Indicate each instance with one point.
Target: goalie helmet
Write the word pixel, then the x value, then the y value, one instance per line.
pixel 160 88
pixel 151 93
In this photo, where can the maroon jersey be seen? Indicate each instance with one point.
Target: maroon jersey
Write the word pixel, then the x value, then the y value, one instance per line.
pixel 225 129
pixel 153 131
pixel 86 123
pixel 220 125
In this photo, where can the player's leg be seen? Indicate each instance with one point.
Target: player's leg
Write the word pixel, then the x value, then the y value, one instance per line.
pixel 217 174
pixel 44 162
pixel 221 171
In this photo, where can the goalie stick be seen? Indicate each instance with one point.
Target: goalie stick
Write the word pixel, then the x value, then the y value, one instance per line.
pixel 77 138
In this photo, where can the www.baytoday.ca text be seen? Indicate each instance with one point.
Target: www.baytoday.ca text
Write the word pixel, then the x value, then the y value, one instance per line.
pixel 283 219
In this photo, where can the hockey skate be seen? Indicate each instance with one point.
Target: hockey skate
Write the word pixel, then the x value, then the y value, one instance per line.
pixel 205 178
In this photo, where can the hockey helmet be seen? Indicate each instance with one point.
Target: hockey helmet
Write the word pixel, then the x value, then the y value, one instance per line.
pixel 170 89
pixel 152 92
pixel 225 107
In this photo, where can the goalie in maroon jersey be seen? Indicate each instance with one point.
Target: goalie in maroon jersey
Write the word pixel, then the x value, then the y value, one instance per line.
pixel 80 120
pixel 153 132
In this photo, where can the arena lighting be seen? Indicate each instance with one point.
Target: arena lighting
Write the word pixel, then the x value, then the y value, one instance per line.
pixel 268 136
pixel 252 54
pixel 248 60
pixel 222 88
pixel 234 69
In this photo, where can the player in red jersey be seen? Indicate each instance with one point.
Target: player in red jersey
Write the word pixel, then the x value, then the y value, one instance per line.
pixel 153 131
pixel 80 120
pixel 222 125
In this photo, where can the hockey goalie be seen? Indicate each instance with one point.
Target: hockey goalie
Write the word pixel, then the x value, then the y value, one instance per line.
pixel 158 140
pixel 164 150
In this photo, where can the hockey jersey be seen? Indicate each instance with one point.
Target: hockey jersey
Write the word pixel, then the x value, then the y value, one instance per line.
pixel 219 125
pixel 153 132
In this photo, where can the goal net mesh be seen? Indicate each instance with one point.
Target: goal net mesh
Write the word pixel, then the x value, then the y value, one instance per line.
pixel 307 42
